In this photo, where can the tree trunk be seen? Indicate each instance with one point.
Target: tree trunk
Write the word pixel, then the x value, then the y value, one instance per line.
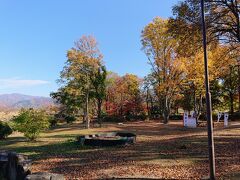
pixel 165 111
pixel 99 112
pixel 86 117
pixel 231 94
pixel 121 106
pixel 151 106
pixel 198 109
pixel 231 103
pixel 148 108
pixel 106 103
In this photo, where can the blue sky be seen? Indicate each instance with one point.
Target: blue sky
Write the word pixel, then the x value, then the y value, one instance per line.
pixel 35 36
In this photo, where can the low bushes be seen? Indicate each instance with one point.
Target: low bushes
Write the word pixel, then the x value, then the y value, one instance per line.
pixel 5 130
pixel 70 119
pixel 128 117
pixel 176 117
pixel 235 116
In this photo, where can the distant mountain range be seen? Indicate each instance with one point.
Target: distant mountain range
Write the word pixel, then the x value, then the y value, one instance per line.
pixel 18 101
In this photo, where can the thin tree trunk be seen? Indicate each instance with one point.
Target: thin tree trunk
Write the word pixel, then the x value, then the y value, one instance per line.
pixel 121 107
pixel 230 93
pixel 151 106
pixel 165 111
pixel 148 108
pixel 99 112
pixel 199 109
pixel 87 111
pixel 231 103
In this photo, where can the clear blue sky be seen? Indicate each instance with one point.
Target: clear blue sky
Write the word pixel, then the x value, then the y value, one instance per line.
pixel 35 35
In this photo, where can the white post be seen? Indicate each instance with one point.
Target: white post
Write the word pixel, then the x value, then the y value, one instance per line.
pixel 219 116
pixel 225 119
pixel 185 118
pixel 189 121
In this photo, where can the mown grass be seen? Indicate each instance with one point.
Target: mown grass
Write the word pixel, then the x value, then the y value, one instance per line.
pixel 56 141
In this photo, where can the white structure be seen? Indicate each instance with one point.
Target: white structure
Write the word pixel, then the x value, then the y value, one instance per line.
pixel 219 116
pixel 226 119
pixel 226 116
pixel 189 121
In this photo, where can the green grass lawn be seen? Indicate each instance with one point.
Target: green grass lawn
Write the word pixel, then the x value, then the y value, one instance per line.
pixel 161 151
pixel 58 140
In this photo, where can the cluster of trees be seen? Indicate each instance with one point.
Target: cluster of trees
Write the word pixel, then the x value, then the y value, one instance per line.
pixel 174 51
pixel 88 89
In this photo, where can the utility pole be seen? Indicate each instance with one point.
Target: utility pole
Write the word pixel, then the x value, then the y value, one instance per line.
pixel 238 65
pixel 208 100
pixel 238 88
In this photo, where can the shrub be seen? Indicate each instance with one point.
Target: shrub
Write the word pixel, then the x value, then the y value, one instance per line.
pixel 5 130
pixel 143 116
pixel 31 122
pixel 176 117
pixel 113 118
pixel 70 119
pixel 235 116
pixel 53 121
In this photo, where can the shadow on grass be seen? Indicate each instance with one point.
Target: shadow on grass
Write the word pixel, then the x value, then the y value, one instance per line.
pixel 59 149
pixel 184 145
pixel 11 140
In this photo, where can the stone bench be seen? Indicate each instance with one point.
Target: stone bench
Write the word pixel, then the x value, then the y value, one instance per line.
pixel 45 176
pixel 15 166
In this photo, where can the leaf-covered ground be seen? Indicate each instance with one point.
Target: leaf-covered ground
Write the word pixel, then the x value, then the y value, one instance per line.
pixel 162 151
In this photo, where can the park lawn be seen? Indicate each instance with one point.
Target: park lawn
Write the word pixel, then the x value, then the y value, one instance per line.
pixel 162 151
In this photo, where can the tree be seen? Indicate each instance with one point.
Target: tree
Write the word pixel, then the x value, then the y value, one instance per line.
pixel 123 96
pixel 160 48
pixel 130 100
pixel 99 85
pixel 111 96
pixel 230 87
pixel 148 94
pixel 193 85
pixel 222 20
pixel 82 66
pixel 69 105
pixel 31 122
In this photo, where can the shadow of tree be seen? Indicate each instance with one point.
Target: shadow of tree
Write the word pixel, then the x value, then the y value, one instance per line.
pixel 168 152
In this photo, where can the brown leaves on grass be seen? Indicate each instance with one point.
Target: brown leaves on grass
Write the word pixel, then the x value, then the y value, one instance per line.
pixel 158 153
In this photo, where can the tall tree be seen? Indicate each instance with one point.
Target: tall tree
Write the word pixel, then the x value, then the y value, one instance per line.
pixel 83 63
pixel 167 69
pixel 99 93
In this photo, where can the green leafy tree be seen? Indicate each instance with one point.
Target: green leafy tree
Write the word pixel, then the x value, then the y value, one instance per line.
pixel 31 122
pixel 69 105
pixel 99 92
pixel 82 67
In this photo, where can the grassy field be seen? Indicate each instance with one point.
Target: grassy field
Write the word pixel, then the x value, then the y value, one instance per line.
pixel 162 151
